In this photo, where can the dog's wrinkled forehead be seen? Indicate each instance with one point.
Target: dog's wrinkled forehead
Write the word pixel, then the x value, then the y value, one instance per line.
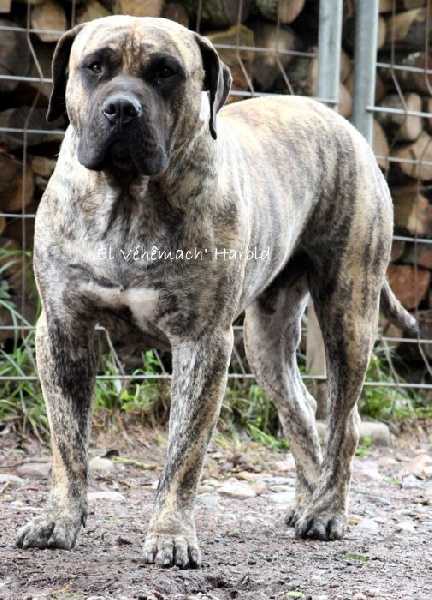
pixel 134 38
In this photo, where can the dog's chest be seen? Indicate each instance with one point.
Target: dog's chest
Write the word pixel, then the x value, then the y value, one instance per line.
pixel 134 263
pixel 141 301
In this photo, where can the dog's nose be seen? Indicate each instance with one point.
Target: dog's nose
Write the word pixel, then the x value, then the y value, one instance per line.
pixel 121 109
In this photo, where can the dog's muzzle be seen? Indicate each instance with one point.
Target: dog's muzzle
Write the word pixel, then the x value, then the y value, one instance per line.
pixel 122 136
pixel 121 111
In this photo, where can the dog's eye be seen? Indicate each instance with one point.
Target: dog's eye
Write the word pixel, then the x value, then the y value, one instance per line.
pixel 95 67
pixel 165 72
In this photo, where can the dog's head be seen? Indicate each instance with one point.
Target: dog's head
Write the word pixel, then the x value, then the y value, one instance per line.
pixel 132 90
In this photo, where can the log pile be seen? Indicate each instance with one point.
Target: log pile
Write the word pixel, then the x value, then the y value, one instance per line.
pixel 279 40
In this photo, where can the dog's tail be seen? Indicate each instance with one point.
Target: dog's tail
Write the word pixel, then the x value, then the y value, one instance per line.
pixel 396 313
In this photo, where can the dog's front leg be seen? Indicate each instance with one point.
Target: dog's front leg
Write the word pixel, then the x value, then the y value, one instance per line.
pixel 200 370
pixel 66 366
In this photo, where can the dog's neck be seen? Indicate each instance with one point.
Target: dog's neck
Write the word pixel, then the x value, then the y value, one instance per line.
pixel 191 163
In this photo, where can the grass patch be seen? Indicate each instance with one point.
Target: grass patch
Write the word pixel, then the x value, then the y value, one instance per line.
pixel 246 408
pixel 364 446
pixel 146 401
pixel 356 557
pixel 21 401
pixel 389 403
pixel 267 439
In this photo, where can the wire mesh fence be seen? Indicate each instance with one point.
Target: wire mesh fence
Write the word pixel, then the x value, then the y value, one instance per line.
pixel 271 47
pixel 402 109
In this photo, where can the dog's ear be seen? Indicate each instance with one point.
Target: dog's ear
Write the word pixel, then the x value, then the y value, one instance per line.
pixel 57 104
pixel 217 80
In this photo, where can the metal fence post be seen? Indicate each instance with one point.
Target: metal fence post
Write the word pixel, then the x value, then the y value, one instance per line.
pixel 329 53
pixel 329 49
pixel 365 56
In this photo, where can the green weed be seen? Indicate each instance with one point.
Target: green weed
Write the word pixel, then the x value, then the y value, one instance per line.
pixel 386 403
pixel 364 446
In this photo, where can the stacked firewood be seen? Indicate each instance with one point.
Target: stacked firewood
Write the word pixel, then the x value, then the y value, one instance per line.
pixel 278 42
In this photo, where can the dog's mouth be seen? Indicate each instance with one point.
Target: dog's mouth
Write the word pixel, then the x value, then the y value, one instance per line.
pixel 123 156
pixel 119 156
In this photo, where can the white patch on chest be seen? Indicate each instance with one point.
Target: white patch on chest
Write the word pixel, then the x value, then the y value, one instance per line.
pixel 142 302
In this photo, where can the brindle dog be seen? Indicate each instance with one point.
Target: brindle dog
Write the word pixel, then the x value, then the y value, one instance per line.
pixel 157 222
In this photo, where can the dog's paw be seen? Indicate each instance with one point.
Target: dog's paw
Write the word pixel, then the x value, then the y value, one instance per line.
pixel 50 532
pixel 324 526
pixel 167 550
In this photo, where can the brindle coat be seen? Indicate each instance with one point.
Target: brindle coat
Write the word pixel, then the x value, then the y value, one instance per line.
pixel 287 179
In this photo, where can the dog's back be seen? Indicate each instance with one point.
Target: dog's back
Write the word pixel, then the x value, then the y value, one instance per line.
pixel 310 152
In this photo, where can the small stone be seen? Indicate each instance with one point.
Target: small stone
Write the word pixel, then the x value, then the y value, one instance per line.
pixel 410 481
pixel 19 505
pixel 210 501
pixel 368 525
pixel 281 488
pixel 387 461
pixel 259 487
pixel 237 489
pixel 250 519
pixel 5 582
pixel 284 466
pixel 213 483
pixel 106 495
pixel 425 497
pixel 421 467
pixel 205 489
pixel 275 480
pixel 247 476
pixel 367 468
pixel 11 479
pixel 379 433
pixel 123 541
pixel 101 465
pixel 405 527
pixel 359 596
pixel 283 497
pixel 37 470
pixel 354 519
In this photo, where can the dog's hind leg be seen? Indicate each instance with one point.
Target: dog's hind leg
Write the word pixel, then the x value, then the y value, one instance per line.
pixel 66 366
pixel 272 334
pixel 347 306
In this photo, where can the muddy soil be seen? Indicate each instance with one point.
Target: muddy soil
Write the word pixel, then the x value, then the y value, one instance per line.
pixel 248 551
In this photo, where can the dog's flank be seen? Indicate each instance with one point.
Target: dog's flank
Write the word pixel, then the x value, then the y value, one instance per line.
pixel 285 178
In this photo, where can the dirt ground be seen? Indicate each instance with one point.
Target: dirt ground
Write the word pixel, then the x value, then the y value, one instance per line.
pixel 248 551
